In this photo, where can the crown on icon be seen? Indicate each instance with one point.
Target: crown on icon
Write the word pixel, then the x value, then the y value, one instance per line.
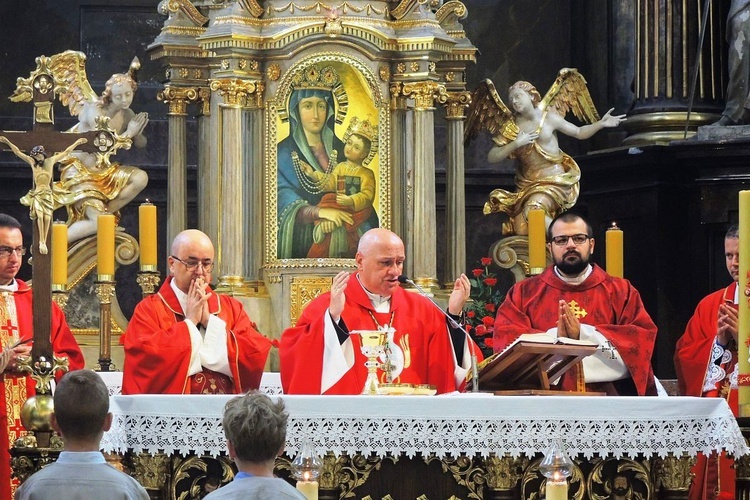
pixel 366 129
pixel 315 77
pixel 324 78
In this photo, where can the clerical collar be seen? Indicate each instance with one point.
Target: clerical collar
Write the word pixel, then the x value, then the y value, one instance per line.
pixel 13 287
pixel 181 296
pixel 575 280
pixel 379 302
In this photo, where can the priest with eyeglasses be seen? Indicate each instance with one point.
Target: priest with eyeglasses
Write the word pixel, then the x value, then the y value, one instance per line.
pixel 187 339
pixel 577 299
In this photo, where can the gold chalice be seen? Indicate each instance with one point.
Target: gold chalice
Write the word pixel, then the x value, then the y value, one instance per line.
pixel 373 345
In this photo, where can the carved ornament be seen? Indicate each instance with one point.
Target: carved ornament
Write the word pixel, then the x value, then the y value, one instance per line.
pixel 168 7
pixel 423 93
pixel 178 98
pixel 241 93
pixel 455 103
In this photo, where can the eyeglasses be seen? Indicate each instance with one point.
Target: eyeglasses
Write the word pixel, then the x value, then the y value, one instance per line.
pixel 578 239
pixel 6 251
pixel 192 265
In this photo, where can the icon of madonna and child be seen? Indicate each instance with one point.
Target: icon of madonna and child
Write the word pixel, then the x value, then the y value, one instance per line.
pixel 326 188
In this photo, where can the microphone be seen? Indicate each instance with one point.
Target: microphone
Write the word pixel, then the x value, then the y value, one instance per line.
pixel 403 279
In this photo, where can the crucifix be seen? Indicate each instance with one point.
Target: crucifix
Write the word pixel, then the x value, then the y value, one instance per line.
pixel 40 89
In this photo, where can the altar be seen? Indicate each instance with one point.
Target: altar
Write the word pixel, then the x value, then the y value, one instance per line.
pixel 451 446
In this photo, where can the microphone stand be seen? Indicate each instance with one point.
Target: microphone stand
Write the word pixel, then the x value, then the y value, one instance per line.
pixel 454 324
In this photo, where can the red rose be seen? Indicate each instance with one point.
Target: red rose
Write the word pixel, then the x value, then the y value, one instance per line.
pixel 490 281
pixel 489 342
pixel 477 272
pixel 486 261
pixel 489 307
pixel 480 330
pixel 488 321
pixel 470 314
pixel 468 328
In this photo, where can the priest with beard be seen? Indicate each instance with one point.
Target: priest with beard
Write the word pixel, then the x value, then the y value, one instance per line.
pixel 577 299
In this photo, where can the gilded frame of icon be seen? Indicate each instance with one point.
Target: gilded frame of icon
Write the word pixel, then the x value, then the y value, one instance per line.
pixel 328 176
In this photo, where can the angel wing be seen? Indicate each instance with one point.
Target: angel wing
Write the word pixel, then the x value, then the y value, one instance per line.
pixel 570 93
pixel 488 112
pixel 69 71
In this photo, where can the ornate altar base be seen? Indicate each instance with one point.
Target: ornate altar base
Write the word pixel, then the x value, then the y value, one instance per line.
pixel 460 446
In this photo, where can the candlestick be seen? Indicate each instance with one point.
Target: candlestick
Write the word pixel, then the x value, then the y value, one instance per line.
pixel 556 467
pixel 743 380
pixel 147 235
pixel 105 291
pixel 59 255
pixel 537 250
pixel 105 247
pixel 614 251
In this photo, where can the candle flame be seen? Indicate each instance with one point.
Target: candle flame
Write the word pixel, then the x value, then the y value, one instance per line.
pixel 306 475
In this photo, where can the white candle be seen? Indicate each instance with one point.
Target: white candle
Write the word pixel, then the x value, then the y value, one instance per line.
pixel 309 489
pixel 557 490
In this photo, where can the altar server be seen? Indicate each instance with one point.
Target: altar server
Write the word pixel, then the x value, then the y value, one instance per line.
pixel 319 356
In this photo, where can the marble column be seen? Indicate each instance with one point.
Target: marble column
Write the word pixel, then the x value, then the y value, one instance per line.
pixel 204 157
pixel 177 98
pixel 400 188
pixel 423 227
pixel 235 180
pixel 455 198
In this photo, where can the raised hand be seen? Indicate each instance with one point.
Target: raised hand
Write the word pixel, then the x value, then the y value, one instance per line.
pixel 459 295
pixel 338 299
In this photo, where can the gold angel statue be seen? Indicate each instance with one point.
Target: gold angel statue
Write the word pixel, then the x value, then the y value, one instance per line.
pixel 94 185
pixel 546 177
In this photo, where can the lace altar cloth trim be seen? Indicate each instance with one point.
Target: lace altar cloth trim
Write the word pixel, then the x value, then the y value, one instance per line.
pixel 442 425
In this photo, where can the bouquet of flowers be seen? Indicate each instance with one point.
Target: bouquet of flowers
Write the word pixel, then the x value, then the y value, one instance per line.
pixel 480 310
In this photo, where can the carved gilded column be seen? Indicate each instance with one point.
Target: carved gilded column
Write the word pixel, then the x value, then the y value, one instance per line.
pixel 503 475
pixel 401 188
pixel 423 229
pixel 177 99
pixel 672 475
pixel 455 104
pixel 666 42
pixel 235 180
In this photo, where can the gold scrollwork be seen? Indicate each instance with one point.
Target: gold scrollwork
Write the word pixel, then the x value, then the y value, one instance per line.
pixel 465 471
pixel 149 470
pixel 241 93
pixel 195 477
pixel 173 6
pixel 252 6
pixel 318 7
pixel 303 291
pixel 604 478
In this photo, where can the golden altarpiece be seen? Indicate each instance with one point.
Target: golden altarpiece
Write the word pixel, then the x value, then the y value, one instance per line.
pixel 382 70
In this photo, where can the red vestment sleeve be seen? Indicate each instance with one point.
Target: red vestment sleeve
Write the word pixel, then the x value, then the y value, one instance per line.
pixel 693 349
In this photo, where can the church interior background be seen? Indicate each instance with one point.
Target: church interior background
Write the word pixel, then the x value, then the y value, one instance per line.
pixel 672 199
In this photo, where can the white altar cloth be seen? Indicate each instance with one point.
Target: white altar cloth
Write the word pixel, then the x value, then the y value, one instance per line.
pixel 448 425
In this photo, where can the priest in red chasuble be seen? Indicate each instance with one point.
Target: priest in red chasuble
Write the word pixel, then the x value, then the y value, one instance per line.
pixel 319 356
pixel 16 323
pixel 186 339
pixel 577 299
pixel 706 363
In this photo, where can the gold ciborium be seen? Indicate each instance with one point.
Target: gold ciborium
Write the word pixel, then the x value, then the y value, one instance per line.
pixel 373 345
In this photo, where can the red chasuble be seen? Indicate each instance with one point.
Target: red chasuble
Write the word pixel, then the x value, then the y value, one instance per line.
pixel 706 369
pixel 611 305
pixel 420 333
pixel 158 348
pixel 16 388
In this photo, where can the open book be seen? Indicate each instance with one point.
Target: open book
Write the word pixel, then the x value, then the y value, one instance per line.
pixel 531 362
pixel 546 338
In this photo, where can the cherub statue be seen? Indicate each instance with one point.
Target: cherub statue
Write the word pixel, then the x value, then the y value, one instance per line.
pixel 95 186
pixel 546 177
pixel 41 199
